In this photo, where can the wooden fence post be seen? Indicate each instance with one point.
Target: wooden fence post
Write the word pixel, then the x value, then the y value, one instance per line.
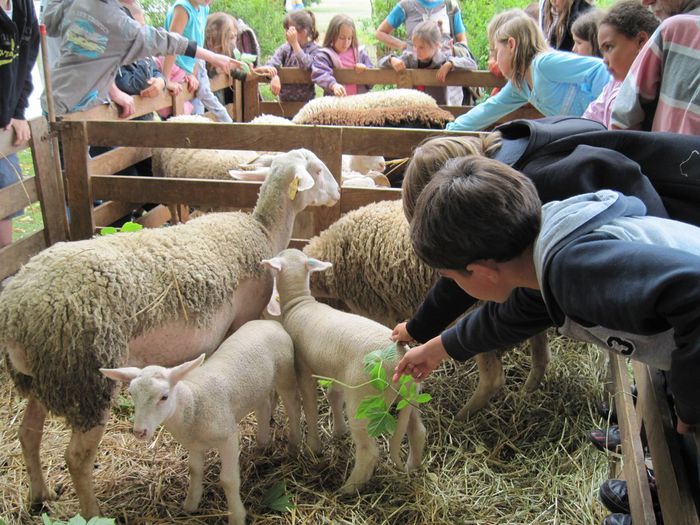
pixel 329 148
pixel 238 104
pixel 49 184
pixel 75 150
pixel 251 103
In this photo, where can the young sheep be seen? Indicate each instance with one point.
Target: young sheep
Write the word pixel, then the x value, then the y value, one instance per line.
pixel 332 343
pixel 134 299
pixel 377 274
pixel 201 407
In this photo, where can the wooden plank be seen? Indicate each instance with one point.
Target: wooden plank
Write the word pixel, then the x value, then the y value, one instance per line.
pixel 677 505
pixel 75 146
pixel 389 142
pixel 178 103
pixel 630 426
pixel 49 181
pixel 117 159
pixel 281 109
pixel 238 101
pixel 14 255
pixel 329 148
pixel 155 218
pixel 353 198
pixel 522 113
pixel 111 211
pixel 17 196
pixel 251 100
pixel 298 244
pixel 196 192
pixel 7 143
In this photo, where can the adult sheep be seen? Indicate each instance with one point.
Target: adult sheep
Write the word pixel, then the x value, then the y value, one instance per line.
pixel 376 274
pixel 156 296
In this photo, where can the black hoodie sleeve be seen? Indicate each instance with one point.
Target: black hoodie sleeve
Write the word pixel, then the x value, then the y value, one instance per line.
pixel 31 47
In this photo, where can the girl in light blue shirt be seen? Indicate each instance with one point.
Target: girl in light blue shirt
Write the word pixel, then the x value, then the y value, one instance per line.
pixel 554 82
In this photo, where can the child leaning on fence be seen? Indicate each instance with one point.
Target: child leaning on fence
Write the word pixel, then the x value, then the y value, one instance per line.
pixel 554 82
pixel 19 46
pixel 426 53
pixel 299 51
pixel 341 49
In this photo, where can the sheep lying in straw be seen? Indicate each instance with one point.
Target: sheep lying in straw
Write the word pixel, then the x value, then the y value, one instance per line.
pixel 201 407
pixel 377 274
pixel 154 296
pixel 332 343
pixel 396 108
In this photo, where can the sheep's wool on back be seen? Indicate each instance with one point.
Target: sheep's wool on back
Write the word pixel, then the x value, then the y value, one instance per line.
pixel 75 306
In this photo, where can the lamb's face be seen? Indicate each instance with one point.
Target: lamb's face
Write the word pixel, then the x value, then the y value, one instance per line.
pixel 314 184
pixel 151 392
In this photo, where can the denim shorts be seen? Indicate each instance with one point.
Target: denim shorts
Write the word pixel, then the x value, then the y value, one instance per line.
pixel 9 174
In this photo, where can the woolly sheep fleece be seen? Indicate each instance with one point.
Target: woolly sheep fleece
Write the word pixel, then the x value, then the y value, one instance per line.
pixel 75 306
pixel 375 271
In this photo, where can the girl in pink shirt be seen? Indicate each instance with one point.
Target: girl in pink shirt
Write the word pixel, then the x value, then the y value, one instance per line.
pixel 340 50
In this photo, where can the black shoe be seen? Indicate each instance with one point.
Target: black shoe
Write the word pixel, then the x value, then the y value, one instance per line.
pixel 613 494
pixel 607 410
pixel 606 438
pixel 617 519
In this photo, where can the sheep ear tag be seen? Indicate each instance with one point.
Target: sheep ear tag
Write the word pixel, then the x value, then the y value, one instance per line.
pixel 302 181
pixel 314 265
pixel 273 306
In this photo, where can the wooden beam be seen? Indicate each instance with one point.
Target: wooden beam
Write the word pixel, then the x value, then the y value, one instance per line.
pixel 155 218
pixel 75 150
pixel 14 255
pixel 7 143
pixel 251 100
pixel 17 196
pixel 389 142
pixel 111 211
pixel 281 109
pixel 329 149
pixel 353 198
pixel 117 159
pixel 49 181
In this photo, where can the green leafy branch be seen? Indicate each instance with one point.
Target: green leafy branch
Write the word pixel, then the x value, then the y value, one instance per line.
pixel 77 520
pixel 374 408
pixel 126 227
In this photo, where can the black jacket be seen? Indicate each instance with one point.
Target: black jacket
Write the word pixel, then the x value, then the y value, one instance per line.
pixel 19 46
pixel 567 43
pixel 567 156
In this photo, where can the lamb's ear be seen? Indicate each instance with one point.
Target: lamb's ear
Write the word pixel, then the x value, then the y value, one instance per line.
pixel 314 265
pixel 274 264
pixel 302 181
pixel 273 306
pixel 257 175
pixel 125 374
pixel 178 372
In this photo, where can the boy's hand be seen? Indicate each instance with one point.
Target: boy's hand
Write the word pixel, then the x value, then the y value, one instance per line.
pixel 400 334
pixel 224 63
pixel 173 87
pixel 420 361
pixel 397 64
pixel 275 85
pixel 339 90
pixel 21 127
pixel 266 71
pixel 192 83
pixel 359 68
pixel 444 70
pixel 155 86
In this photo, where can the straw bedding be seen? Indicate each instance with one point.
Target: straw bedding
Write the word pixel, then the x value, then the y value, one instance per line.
pixel 524 460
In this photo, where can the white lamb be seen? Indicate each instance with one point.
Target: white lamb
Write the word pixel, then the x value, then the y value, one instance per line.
pixel 201 406
pixel 133 299
pixel 332 343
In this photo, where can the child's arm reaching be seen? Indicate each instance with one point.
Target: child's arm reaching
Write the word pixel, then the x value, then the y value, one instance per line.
pixel 322 74
pixel 488 113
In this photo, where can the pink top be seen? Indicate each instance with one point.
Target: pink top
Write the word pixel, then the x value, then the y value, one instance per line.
pixel 348 60
pixel 601 108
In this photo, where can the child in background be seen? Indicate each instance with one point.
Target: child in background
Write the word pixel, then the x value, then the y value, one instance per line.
pixel 340 50
pixel 555 83
pixel 426 53
pixel 299 51
pixel 585 33
pixel 622 33
pixel 558 17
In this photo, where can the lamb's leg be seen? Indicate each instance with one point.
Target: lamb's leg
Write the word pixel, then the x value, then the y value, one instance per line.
pixel 231 480
pixel 309 398
pixel 263 413
pixel 80 458
pixel 290 400
pixel 366 450
pixel 399 433
pixel 491 380
pixel 539 350
pixel 30 434
pixel 335 399
pixel 416 441
pixel 195 489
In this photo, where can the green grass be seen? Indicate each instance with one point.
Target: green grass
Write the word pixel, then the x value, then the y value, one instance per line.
pixel 31 221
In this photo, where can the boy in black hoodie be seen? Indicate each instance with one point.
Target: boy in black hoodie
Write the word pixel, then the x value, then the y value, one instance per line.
pixel 19 46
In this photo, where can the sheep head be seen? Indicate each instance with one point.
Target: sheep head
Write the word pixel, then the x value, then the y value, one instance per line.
pixel 291 269
pixel 310 182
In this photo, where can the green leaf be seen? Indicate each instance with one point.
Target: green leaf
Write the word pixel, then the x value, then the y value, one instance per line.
pixel 108 230
pixel 277 499
pixel 403 391
pixel 369 406
pixel 325 383
pixel 388 353
pixel 380 379
pixel 76 520
pixel 45 519
pixel 131 227
pixel 101 521
pixel 401 404
pixel 385 424
pixel 412 391
pixel 405 378
pixel 423 398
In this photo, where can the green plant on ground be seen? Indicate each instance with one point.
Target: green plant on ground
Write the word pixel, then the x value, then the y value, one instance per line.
pixel 276 498
pixel 77 520
pixel 126 227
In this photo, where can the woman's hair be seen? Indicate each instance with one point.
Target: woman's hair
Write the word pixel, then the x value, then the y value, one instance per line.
pixel 304 19
pixel 556 26
pixel 220 31
pixel 334 30
pixel 529 42
pixel 429 32
pixel 585 27
pixel 432 154
pixel 630 18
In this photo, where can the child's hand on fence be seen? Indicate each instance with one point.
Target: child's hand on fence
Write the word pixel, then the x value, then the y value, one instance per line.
pixel 266 71
pixel 359 68
pixel 420 361
pixel 339 90
pixel 173 87
pixel 400 334
pixel 192 83
pixel 275 85
pixel 126 104
pixel 444 70
pixel 155 86
pixel 21 128
pixel 397 64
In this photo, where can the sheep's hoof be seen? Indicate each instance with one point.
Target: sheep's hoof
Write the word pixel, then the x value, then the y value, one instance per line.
pixel 533 382
pixel 190 506
pixel 350 489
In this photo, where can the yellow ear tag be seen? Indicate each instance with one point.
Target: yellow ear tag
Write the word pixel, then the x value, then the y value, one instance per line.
pixel 293 187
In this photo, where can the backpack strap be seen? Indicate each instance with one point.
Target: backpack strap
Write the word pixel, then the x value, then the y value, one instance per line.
pixel 451 7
